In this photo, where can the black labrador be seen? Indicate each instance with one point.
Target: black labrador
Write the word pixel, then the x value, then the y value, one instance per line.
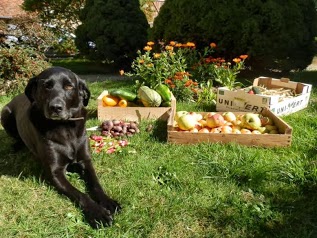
pixel 49 118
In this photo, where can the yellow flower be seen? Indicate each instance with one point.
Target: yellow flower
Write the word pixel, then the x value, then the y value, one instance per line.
pixel 147 48
pixel 156 55
pixel 150 43
pixel 121 72
pixel 168 47
pixel 172 43
pixel 141 61
pixel 236 60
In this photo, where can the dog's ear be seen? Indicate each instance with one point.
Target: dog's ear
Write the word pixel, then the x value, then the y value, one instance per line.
pixel 30 89
pixel 84 91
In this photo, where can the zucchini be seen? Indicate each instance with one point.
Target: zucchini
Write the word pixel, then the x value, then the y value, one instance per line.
pixel 164 92
pixel 124 94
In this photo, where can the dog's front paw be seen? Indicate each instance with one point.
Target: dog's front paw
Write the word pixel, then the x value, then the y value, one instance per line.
pixel 97 216
pixel 112 205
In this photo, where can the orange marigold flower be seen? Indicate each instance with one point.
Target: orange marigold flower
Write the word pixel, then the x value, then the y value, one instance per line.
pixel 156 55
pixel 141 61
pixel 190 44
pixel 178 45
pixel 236 60
pixel 172 43
pixel 168 47
pixel 168 81
pixel 147 48
pixel 213 45
pixel 150 43
pixel 188 83
pixel 243 57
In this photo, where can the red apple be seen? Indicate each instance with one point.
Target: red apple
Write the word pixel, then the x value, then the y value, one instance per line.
pixel 215 120
pixel 226 129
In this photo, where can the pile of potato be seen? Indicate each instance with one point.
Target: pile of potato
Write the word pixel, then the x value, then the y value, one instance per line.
pixel 118 128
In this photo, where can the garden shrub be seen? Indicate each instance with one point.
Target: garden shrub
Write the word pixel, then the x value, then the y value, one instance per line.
pixel 190 74
pixel 17 66
pixel 111 30
pixel 270 30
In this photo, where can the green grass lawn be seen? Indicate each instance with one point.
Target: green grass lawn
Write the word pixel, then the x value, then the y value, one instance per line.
pixel 176 191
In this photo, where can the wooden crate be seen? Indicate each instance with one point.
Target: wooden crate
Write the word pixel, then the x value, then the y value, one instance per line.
pixel 262 140
pixel 132 113
pixel 240 101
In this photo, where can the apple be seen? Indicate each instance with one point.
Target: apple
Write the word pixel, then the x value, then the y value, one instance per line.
pixel 202 123
pixel 273 132
pixel 266 121
pixel 187 122
pixel 245 131
pixel 179 114
pixel 270 127
pixel 229 116
pixel 251 121
pixel 236 131
pixel 226 129
pixel 203 130
pixel 208 114
pixel 195 130
pixel 215 130
pixel 215 120
pixel 198 116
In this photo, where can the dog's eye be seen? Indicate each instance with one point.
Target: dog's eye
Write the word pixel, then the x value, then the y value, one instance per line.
pixel 48 85
pixel 68 87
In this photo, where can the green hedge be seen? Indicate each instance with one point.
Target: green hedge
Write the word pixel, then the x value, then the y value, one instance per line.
pixel 278 29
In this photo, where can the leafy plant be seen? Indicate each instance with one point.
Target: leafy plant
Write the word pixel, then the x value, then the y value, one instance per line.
pixel 17 66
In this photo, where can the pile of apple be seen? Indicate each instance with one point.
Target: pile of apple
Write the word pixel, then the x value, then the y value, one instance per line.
pixel 226 122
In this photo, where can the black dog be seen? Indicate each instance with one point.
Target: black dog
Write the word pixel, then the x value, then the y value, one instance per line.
pixel 49 118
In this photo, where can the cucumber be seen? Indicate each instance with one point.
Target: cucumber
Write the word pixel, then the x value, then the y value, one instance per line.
pixel 164 92
pixel 123 94
pixel 256 90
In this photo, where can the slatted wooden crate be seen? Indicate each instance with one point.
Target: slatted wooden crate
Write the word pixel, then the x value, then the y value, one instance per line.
pixel 240 101
pixel 283 139
pixel 132 113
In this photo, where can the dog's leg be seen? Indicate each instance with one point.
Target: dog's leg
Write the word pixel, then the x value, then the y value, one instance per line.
pixel 9 124
pixel 94 213
pixel 94 188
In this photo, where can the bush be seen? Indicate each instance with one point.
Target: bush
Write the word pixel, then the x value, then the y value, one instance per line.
pixel 17 66
pixel 263 29
pixel 111 30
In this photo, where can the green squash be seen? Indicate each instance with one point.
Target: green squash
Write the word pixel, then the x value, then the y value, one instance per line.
pixel 149 97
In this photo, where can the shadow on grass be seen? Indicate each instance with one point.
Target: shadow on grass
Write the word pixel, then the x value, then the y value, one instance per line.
pixel 16 163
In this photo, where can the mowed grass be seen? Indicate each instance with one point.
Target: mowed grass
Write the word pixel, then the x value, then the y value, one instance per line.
pixel 168 190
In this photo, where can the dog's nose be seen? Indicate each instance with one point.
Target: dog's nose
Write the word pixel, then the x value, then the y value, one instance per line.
pixel 56 108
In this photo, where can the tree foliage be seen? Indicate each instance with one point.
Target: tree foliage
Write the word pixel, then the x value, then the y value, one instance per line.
pixel 61 15
pixel 262 29
pixel 111 29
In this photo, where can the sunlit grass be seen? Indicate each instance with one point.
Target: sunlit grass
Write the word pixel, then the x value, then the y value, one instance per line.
pixel 168 190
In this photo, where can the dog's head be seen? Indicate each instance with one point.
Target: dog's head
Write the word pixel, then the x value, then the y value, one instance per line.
pixel 58 92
